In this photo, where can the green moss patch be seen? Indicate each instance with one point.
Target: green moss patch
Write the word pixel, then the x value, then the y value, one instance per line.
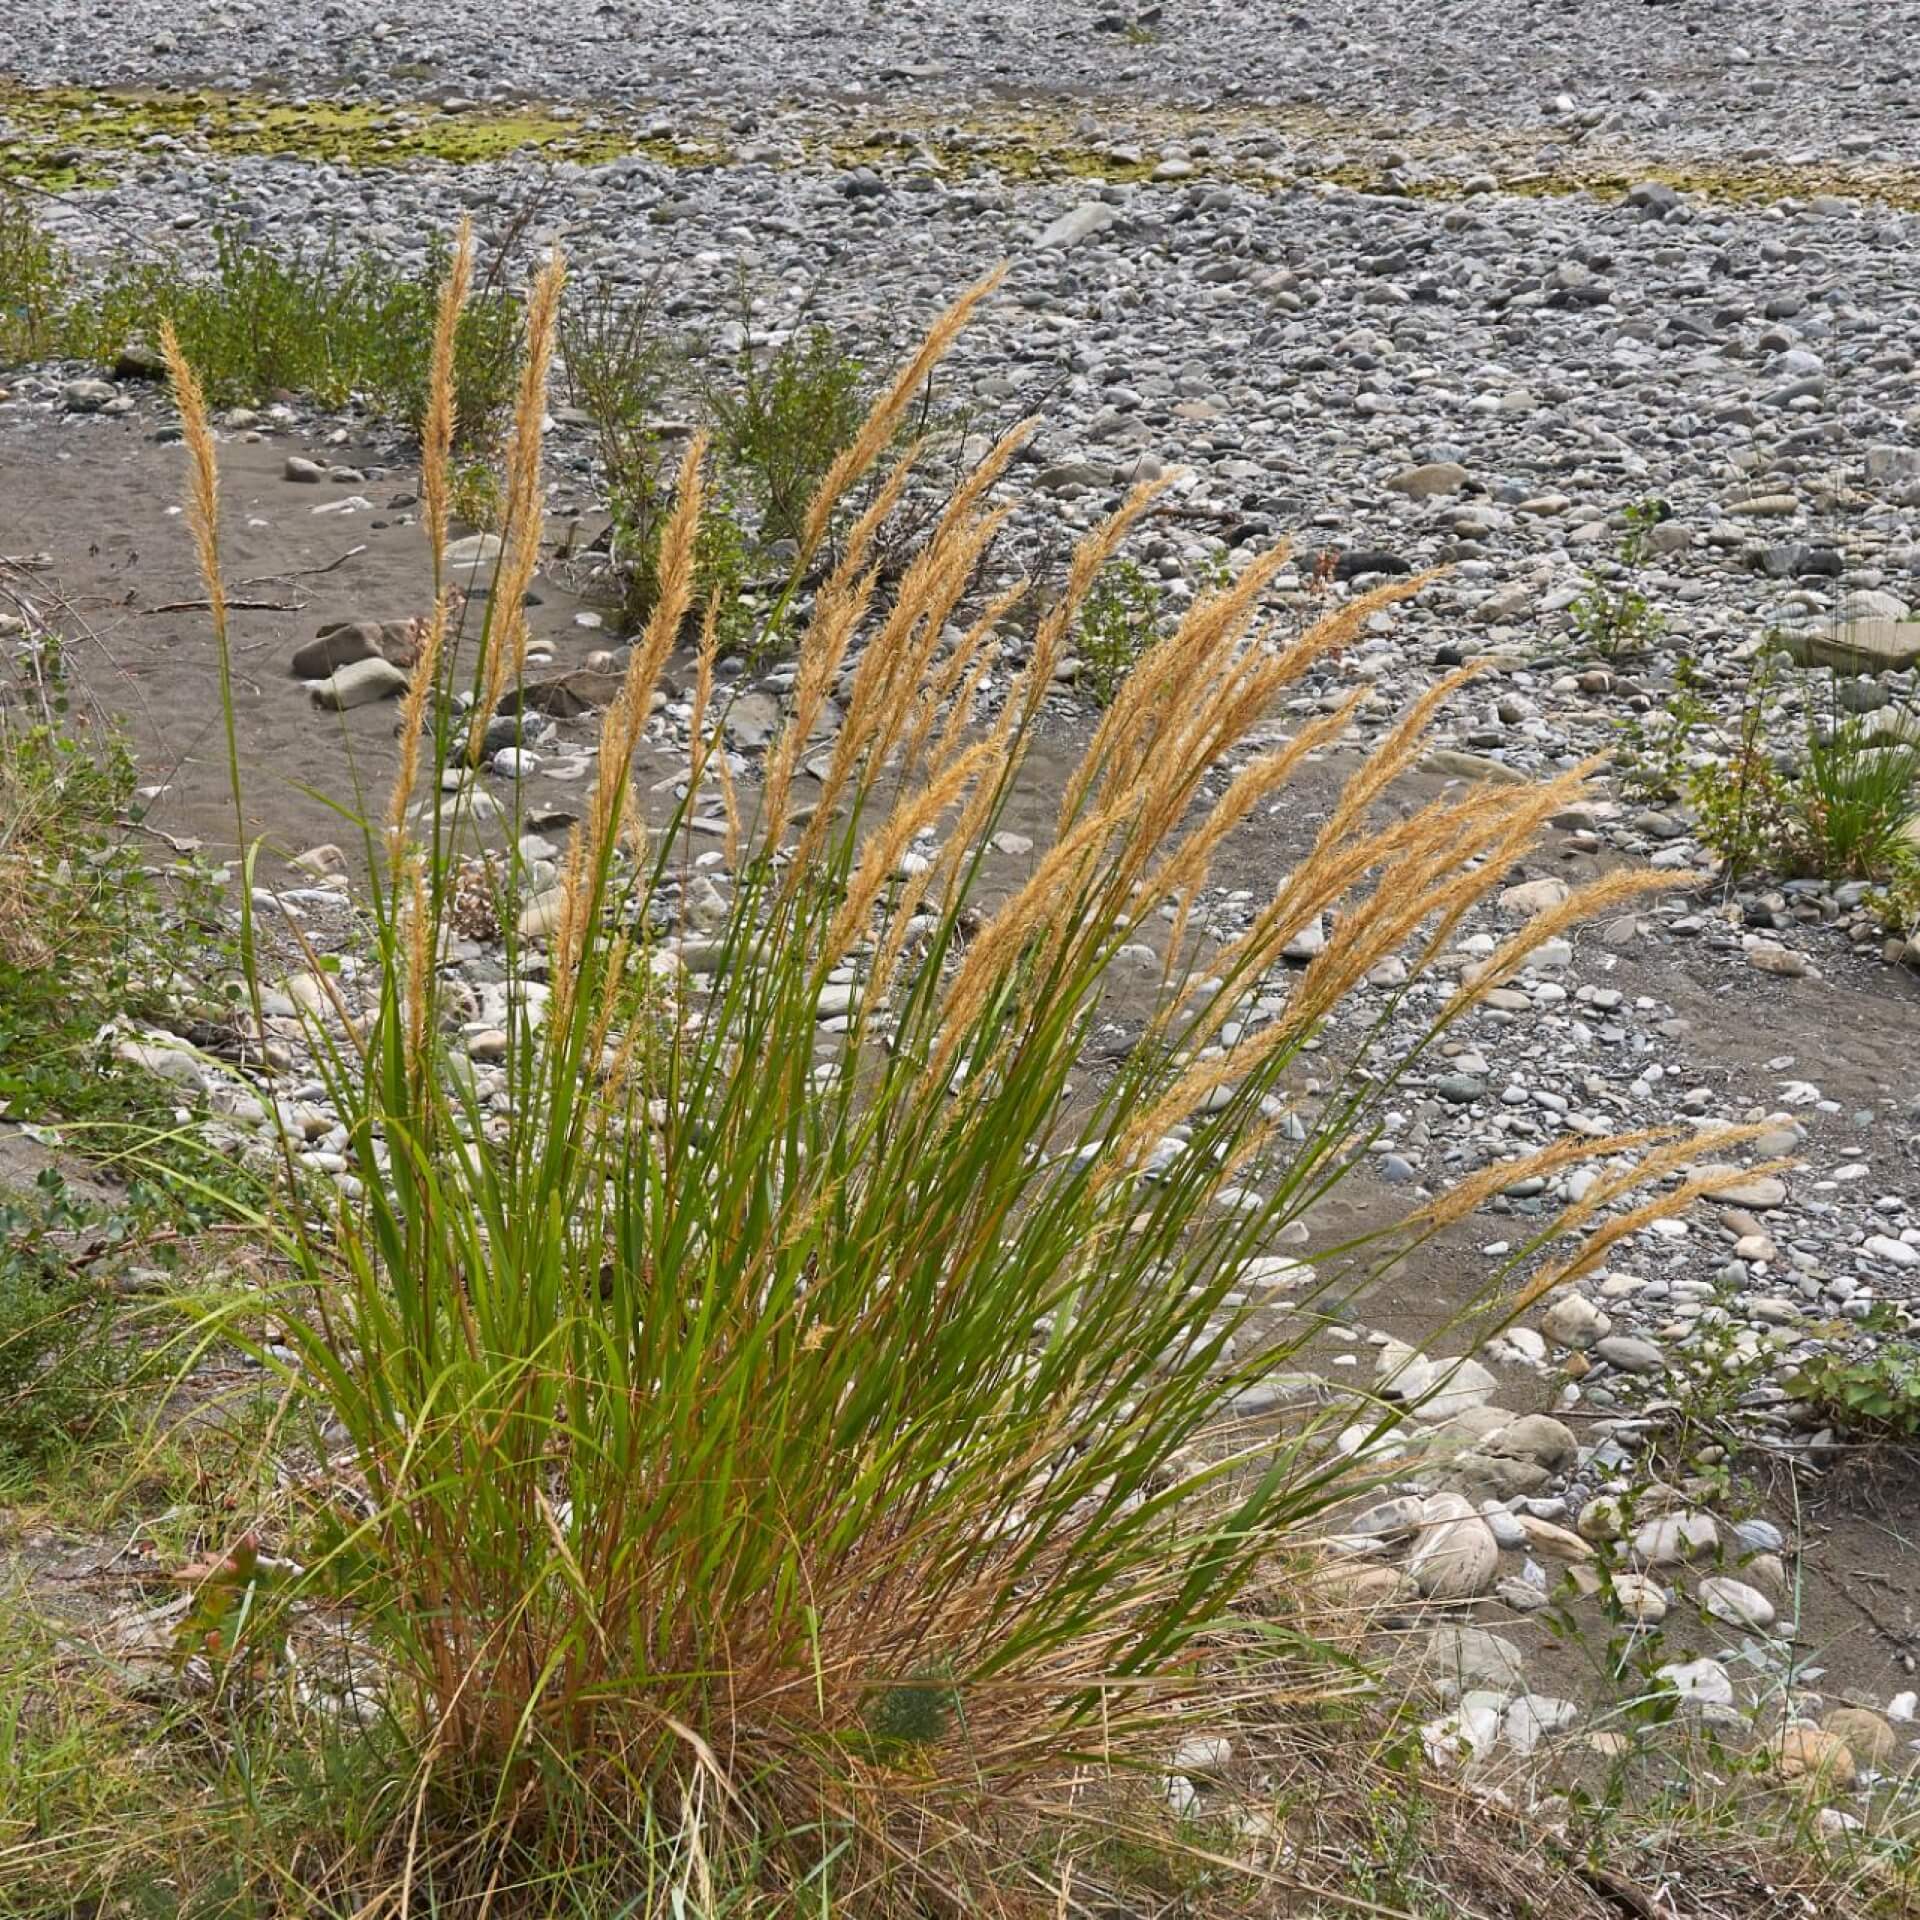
pixel 57 136
pixel 1365 155
pixel 66 137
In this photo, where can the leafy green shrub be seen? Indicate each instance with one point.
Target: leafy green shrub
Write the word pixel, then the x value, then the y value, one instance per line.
pixel 66 869
pixel 475 496
pixel 833 1340
pixel 778 425
pixel 1652 757
pixel 1615 617
pixel 1876 1395
pixel 1118 623
pixel 1740 798
pixel 385 334
pixel 1897 902
pixel 58 1360
pixel 781 420
pixel 264 321
pixel 620 363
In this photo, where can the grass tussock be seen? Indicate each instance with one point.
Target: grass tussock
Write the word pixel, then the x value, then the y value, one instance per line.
pixel 325 323
pixel 789 1444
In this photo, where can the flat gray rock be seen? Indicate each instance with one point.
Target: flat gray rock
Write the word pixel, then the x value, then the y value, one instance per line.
pixel 1081 223
pixel 1855 646
pixel 360 684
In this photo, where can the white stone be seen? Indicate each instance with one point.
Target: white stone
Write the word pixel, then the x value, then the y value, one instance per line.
pixel 1205 1753
pixel 1528 1344
pixel 1736 1603
pixel 1456 1387
pixel 1704 1682
pixel 1269 1273
pixel 1574 1321
pixel 1534 1716
pixel 165 1062
pixel 541 915
pixel 1639 1598
pixel 1457 1555
pixel 1533 896
pixel 836 997
pixel 359 685
pixel 1669 1538
pixel 473 554
pixel 1463 1660
pixel 1462 1735
pixel 1079 223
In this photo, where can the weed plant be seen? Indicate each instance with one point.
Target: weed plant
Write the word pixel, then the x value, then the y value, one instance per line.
pixel 1613 616
pixel 1839 805
pixel 35 284
pixel 778 421
pixel 58 1360
pixel 781 419
pixel 1117 624
pixel 1875 1395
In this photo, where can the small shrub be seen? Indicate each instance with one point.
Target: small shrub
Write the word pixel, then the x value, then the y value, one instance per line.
pixel 1877 1395
pixel 1614 617
pixel 1740 801
pixel 1897 902
pixel 620 361
pixel 261 320
pixel 475 496
pixel 266 321
pixel 1654 757
pixel 65 866
pixel 1840 810
pixel 87 937
pixel 1118 623
pixel 384 334
pixel 781 420
pixel 1853 801
pixel 778 427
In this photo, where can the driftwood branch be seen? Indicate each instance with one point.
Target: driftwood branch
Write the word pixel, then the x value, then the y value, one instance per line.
pixel 233 606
